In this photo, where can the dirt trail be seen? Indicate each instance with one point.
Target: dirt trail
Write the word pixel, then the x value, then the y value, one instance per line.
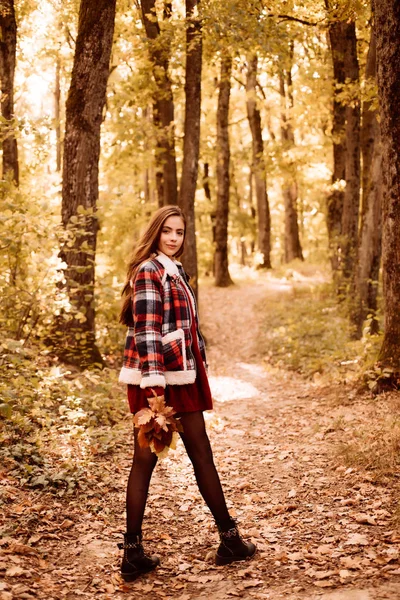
pixel 322 531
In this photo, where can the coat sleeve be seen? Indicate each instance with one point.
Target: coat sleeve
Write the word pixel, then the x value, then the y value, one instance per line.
pixel 148 318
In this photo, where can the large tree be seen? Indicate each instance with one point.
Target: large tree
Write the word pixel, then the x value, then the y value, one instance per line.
pixel 387 28
pixel 8 45
pixel 335 200
pixel 292 247
pixel 222 277
pixel 163 103
pixel 351 200
pixel 258 166
pixel 84 114
pixel 191 142
pixel 343 203
pixel 366 281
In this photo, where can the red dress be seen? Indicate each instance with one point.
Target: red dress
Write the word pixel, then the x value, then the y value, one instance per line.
pixel 183 398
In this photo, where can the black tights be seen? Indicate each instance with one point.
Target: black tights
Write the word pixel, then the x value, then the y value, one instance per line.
pixel 198 447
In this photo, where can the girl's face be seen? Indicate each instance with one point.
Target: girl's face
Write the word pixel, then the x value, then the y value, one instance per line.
pixel 172 235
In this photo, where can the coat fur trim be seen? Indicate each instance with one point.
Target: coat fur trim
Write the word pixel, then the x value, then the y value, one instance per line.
pixel 153 381
pixel 180 377
pixel 130 376
pixel 134 377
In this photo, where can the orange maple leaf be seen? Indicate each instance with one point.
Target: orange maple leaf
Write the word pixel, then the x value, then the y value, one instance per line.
pixel 157 426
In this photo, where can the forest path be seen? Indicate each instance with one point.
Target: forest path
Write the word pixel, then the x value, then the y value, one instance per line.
pixel 322 531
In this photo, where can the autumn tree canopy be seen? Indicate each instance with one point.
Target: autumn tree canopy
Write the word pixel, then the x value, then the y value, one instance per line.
pixel 260 120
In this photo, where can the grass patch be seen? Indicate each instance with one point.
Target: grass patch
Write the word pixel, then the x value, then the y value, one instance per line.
pixel 305 329
pixel 374 443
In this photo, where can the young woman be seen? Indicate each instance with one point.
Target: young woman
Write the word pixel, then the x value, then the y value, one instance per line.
pixel 165 354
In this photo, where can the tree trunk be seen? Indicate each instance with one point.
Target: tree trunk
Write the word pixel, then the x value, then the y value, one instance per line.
pixel 8 45
pixel 163 106
pixel 258 166
pixel 351 204
pixel 84 110
pixel 387 28
pixel 222 277
pixel 335 200
pixel 213 214
pixel 191 142
pixel 369 251
pixel 293 248
pixel 57 114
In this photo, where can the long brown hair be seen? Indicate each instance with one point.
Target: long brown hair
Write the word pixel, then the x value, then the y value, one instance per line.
pixel 142 251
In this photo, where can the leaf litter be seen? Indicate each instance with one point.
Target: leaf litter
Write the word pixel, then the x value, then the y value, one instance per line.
pixel 318 525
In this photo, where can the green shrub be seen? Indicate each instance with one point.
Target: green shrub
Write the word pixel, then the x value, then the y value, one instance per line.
pixel 53 420
pixel 307 330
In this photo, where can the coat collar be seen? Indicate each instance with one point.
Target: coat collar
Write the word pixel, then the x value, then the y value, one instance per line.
pixel 171 266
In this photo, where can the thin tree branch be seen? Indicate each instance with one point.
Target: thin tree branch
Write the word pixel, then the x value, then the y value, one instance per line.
pixel 297 20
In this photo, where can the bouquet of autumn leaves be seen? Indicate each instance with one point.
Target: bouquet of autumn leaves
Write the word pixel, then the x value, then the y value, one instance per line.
pixel 157 426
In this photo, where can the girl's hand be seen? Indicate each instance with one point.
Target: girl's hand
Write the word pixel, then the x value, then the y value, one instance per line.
pixel 150 391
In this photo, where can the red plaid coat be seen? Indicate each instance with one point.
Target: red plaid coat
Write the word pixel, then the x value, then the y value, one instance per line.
pixel 158 349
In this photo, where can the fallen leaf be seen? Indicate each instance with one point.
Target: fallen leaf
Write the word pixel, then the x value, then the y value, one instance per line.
pixel 15 571
pixel 364 519
pixel 324 584
pixel 244 485
pixel 348 502
pixel 357 539
pixel 110 589
pixel 295 556
pixel 34 539
pixel 392 554
pixel 344 575
pixel 22 549
pixel 351 563
pixel 323 574
pixel 253 583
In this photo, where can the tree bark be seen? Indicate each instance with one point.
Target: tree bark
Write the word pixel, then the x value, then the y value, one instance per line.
pixel 387 28
pixel 191 142
pixel 57 114
pixel 163 106
pixel 8 45
pixel 293 248
pixel 84 110
pixel 369 251
pixel 222 277
pixel 351 203
pixel 213 214
pixel 258 166
pixel 335 200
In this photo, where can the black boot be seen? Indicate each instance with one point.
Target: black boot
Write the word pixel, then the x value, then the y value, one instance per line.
pixel 232 547
pixel 135 562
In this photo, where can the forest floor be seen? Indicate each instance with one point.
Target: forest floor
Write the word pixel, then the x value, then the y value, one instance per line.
pixel 323 530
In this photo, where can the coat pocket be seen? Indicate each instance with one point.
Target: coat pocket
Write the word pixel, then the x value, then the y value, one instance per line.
pixel 174 351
